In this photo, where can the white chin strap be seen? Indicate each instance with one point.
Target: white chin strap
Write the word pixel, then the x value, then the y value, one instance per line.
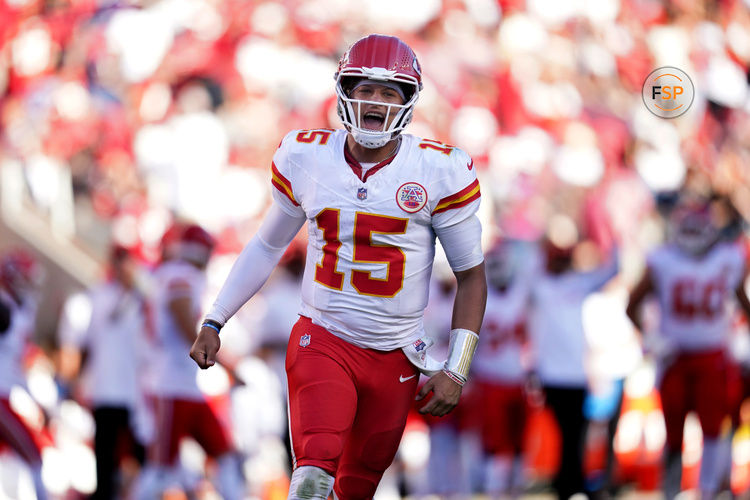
pixel 370 139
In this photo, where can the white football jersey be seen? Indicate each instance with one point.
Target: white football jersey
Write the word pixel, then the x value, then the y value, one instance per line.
pixel 500 351
pixel 174 371
pixel 371 243
pixel 695 293
pixel 115 340
pixel 555 323
pixel 13 343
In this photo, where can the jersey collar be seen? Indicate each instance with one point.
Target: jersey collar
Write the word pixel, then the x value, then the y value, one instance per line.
pixel 357 168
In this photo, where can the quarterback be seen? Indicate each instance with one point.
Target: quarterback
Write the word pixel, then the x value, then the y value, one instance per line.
pixel 374 201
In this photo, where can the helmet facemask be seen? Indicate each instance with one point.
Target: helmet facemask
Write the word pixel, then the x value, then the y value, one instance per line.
pixel 349 111
pixel 695 235
pixel 500 264
pixel 693 230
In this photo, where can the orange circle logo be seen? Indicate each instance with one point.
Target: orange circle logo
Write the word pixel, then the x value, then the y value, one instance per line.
pixel 668 92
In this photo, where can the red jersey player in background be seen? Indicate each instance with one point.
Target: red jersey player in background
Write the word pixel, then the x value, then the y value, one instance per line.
pixel 374 201
pixel 694 277
pixel 20 277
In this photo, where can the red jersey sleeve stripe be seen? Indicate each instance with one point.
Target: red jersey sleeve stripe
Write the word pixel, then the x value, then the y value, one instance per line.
pixel 282 184
pixel 460 194
pixel 460 199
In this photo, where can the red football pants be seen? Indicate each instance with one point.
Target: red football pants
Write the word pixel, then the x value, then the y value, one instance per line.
pixel 704 382
pixel 504 414
pixel 347 407
pixel 179 418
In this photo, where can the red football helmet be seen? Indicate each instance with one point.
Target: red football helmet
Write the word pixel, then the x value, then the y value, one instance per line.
pixel 170 241
pixel 20 274
pixel 379 58
pixel 196 244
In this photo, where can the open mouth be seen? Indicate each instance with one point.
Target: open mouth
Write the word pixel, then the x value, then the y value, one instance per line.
pixel 373 120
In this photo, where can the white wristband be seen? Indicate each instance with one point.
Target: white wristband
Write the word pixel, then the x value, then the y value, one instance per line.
pixel 461 349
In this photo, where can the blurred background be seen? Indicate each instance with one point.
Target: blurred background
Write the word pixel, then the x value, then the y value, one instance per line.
pixel 119 119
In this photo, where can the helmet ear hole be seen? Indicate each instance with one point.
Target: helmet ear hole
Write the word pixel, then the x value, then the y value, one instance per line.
pixel 408 91
pixel 348 83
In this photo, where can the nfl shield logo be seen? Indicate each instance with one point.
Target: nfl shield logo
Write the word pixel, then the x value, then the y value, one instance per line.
pixel 419 345
pixel 304 341
pixel 362 193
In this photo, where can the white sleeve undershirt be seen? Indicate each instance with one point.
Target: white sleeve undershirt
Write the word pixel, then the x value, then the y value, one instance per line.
pixel 462 243
pixel 256 262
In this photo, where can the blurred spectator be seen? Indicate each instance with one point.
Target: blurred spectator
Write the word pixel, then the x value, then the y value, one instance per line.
pixel 107 355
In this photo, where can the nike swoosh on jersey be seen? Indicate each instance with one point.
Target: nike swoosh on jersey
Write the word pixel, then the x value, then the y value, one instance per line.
pixel 403 379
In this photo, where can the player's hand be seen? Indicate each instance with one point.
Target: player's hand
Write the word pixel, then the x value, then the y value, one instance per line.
pixel 205 347
pixel 445 395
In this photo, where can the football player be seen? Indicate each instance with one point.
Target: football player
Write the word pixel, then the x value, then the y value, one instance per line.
pixel 694 276
pixel 500 371
pixel 180 408
pixel 374 200
pixel 20 278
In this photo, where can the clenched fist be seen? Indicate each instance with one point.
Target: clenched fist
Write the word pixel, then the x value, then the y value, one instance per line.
pixel 205 347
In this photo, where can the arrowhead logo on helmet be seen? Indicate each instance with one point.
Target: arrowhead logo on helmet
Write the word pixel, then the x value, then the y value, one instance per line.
pixel 380 58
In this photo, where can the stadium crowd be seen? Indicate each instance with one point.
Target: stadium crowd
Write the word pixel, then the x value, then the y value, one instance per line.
pixel 127 120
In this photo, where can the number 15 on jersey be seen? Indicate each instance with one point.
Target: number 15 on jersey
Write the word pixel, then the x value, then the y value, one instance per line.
pixel 365 251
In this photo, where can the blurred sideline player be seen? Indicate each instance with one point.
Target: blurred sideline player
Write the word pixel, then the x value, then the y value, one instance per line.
pixel 20 277
pixel 180 408
pixel 108 356
pixel 694 276
pixel 559 344
pixel 374 200
pixel 500 373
